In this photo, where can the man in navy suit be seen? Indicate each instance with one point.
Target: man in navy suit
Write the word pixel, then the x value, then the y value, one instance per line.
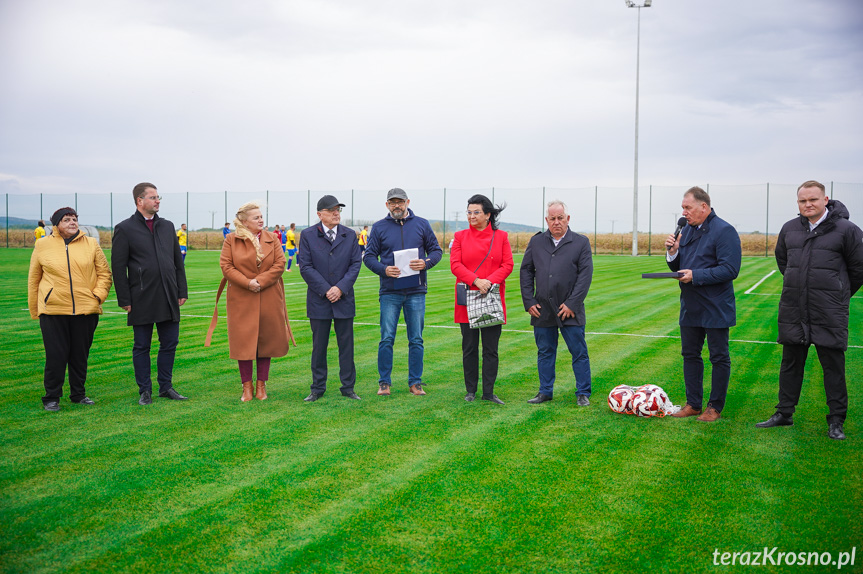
pixel 330 260
pixel 707 254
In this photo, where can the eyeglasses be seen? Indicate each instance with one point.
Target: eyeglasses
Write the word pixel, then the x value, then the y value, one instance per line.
pixel 396 202
pixel 333 210
pixel 154 197
pixel 479 212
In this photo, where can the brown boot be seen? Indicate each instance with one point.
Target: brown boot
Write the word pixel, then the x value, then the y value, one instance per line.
pixel 247 391
pixel 261 390
pixel 417 389
pixel 686 411
pixel 710 415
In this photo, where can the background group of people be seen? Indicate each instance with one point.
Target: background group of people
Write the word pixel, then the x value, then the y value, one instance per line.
pixel 820 254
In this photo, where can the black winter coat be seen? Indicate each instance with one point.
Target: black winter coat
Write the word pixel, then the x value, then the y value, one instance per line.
pixel 148 270
pixel 822 269
pixel 552 275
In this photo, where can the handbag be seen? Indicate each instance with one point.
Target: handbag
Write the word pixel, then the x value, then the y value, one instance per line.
pixel 485 309
pixel 461 288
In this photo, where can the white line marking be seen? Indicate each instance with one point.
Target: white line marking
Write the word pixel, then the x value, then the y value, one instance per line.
pixel 594 333
pixel 763 279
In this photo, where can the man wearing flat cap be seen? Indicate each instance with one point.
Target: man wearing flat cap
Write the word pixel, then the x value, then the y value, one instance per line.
pixel 330 260
pixel 402 290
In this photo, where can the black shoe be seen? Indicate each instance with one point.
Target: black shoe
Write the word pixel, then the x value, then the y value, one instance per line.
pixel 52 406
pixel 470 397
pixel 494 399
pixel 583 401
pixel 539 398
pixel 313 396
pixel 777 420
pixel 834 430
pixel 85 401
pixel 173 395
pixel 145 399
pixel 351 395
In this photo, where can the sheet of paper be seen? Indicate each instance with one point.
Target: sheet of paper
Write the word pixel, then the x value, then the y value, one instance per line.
pixel 403 261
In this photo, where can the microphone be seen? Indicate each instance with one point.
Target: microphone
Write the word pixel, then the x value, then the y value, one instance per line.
pixel 681 223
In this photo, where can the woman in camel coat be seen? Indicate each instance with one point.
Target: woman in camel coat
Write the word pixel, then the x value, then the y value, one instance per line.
pixel 252 262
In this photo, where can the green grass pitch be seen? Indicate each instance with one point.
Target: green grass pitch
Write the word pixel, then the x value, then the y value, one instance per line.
pixel 421 484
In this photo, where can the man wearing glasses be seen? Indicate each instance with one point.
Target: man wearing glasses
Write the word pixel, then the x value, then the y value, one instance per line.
pixel 150 281
pixel 402 290
pixel 330 261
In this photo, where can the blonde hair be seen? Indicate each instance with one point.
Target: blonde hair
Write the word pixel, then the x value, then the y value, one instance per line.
pixel 243 232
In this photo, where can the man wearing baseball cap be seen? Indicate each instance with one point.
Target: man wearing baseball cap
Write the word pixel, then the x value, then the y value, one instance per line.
pixel 402 290
pixel 330 261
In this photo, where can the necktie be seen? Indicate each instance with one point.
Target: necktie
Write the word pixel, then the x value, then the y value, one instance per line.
pixel 331 235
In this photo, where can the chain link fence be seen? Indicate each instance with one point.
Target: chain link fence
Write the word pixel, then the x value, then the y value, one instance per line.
pixel 603 214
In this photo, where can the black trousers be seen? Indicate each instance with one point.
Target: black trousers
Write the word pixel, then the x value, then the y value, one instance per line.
pixel 791 380
pixel 169 336
pixel 692 342
pixel 320 341
pixel 67 340
pixel 470 357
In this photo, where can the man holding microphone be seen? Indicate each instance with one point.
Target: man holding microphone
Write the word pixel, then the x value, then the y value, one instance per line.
pixel 707 254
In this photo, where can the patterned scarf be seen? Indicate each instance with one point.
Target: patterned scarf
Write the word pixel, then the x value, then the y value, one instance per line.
pixel 243 233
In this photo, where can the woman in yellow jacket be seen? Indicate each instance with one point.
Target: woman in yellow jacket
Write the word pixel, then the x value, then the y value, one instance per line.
pixel 68 282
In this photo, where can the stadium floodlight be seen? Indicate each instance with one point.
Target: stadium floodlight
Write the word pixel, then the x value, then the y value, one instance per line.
pixel 632 4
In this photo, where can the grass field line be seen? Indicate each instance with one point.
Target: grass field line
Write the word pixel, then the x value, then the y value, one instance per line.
pixel 596 333
pixel 763 279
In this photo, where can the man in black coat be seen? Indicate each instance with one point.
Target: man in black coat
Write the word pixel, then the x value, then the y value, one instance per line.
pixel 150 281
pixel 820 255
pixel 330 262
pixel 555 276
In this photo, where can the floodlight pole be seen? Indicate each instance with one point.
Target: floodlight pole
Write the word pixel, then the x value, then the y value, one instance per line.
pixel 631 4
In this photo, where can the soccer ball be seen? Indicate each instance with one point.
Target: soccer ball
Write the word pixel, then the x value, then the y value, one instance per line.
pixel 644 403
pixel 651 401
pixel 620 399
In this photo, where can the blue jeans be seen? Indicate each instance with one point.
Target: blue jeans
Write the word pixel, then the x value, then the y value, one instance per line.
pixel 414 306
pixel 546 356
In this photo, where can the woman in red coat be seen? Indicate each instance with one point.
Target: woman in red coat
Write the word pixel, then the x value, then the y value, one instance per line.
pixel 480 256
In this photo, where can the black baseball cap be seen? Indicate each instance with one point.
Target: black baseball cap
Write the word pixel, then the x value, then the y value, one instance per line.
pixel 328 202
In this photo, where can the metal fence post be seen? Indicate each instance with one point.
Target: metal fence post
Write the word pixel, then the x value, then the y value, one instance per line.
pixel 444 219
pixel 226 205
pixel 7 221
pixel 267 195
pixel 542 211
pixel 308 208
pixel 767 223
pixel 353 224
pixel 649 219
pixel 595 214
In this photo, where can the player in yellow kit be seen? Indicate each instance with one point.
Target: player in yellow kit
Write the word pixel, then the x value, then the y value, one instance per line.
pixel 182 237
pixel 291 244
pixel 39 232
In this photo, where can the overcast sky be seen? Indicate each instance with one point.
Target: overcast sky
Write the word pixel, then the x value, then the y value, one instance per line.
pixel 96 96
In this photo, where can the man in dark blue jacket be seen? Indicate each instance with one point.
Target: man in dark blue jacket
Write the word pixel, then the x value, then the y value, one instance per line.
pixel 820 256
pixel 402 292
pixel 329 260
pixel 707 254
pixel 555 276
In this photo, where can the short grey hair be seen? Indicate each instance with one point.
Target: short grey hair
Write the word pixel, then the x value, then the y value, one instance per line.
pixel 554 202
